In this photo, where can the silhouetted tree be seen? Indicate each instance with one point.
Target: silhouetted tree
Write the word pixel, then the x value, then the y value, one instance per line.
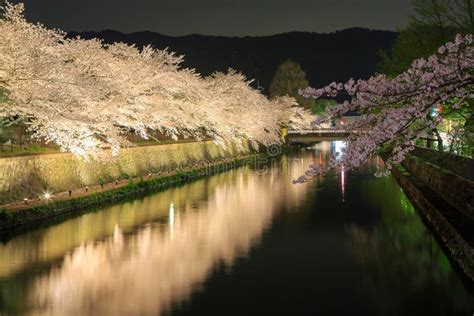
pixel 413 42
pixel 434 23
pixel 288 80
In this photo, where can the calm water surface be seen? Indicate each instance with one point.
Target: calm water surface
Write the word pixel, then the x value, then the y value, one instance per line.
pixel 245 242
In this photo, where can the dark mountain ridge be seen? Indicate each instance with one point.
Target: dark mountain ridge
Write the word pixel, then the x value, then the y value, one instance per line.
pixel 325 57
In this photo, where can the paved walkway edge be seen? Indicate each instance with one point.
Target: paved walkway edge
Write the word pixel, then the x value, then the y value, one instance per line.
pixel 29 218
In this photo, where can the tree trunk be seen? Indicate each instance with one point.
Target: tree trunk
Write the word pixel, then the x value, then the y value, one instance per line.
pixel 429 143
pixel 469 128
pixel 439 140
pixel 429 140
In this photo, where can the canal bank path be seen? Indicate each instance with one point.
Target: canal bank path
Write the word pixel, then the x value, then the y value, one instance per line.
pixel 52 197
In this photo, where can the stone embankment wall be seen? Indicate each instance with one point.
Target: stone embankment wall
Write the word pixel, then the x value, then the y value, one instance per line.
pixel 31 176
pixel 445 199
pixel 451 187
pixel 462 166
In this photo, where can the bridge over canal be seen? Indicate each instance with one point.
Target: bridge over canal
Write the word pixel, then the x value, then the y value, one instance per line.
pixel 316 135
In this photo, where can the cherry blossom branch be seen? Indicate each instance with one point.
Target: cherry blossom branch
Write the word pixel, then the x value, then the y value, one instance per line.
pixel 396 110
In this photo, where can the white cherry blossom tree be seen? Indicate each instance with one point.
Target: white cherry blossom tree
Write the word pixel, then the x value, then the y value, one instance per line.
pixel 86 96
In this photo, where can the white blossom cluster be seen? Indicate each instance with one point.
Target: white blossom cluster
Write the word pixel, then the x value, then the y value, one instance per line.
pixel 85 95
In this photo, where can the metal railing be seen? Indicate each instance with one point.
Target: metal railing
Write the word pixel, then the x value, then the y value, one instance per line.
pixel 320 131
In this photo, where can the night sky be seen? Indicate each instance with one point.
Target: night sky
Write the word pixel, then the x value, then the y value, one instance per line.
pixel 219 17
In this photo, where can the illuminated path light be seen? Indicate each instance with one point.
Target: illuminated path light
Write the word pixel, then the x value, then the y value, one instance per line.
pixel 47 196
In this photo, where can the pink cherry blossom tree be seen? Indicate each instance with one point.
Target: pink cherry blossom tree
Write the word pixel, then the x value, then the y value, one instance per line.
pixel 396 111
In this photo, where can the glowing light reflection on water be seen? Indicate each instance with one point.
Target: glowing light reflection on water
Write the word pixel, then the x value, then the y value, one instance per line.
pixel 153 254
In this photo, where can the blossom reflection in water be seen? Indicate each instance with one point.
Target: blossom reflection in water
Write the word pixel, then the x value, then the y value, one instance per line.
pixel 146 271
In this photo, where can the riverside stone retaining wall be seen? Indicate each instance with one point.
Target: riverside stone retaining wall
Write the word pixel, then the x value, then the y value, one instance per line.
pixel 454 189
pixel 445 200
pixel 13 222
pixel 459 248
pixel 462 166
pixel 30 176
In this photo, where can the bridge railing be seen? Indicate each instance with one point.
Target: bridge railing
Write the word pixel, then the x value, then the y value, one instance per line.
pixel 319 131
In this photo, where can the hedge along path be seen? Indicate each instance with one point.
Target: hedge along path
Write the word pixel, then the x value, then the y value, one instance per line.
pixel 110 186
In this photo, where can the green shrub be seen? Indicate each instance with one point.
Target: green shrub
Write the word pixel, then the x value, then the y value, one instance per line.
pixel 6 217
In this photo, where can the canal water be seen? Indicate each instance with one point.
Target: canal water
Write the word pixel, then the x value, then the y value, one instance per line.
pixel 244 242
